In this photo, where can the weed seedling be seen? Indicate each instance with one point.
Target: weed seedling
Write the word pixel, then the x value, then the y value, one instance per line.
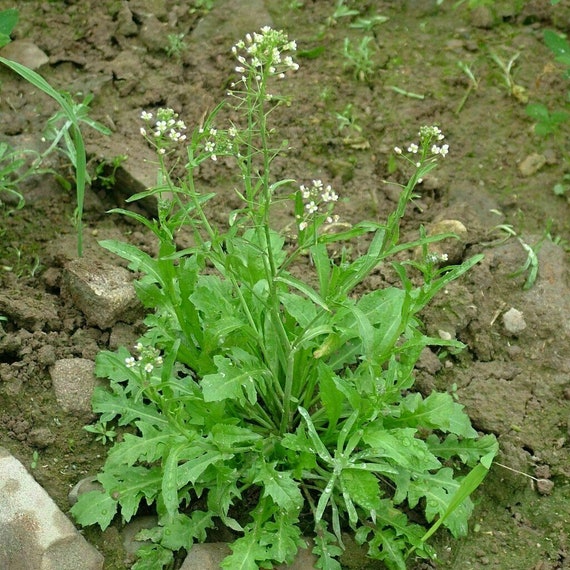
pixel 347 119
pixel 176 45
pixel 472 86
pixel 341 11
pixel 104 434
pixel 65 124
pixel 359 59
pixel 369 23
pixel 276 405
pixel 517 91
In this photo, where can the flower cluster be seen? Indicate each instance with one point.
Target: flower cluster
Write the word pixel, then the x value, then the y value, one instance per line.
pixel 430 137
pixel 165 130
pixel 221 142
pixel 314 197
pixel 434 257
pixel 148 358
pixel 264 53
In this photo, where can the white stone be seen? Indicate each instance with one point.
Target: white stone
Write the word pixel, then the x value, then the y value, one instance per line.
pixel 514 321
pixel 34 533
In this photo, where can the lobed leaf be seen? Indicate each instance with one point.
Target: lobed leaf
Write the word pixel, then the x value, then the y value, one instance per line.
pixel 280 486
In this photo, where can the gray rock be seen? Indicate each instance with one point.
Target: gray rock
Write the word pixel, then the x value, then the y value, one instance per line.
pixel 73 381
pixel 34 533
pixel 104 293
pixel 26 53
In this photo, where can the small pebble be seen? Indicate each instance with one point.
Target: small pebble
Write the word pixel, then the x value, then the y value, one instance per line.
pixel 514 321
pixel 544 486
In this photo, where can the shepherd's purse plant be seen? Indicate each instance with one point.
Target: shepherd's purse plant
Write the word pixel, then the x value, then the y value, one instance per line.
pixel 278 406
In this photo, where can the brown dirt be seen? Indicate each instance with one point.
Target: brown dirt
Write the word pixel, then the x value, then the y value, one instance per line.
pixel 514 384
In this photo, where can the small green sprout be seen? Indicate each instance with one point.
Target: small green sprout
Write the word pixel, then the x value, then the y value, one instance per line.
pixel 359 58
pixel 104 434
pixel 514 89
pixel 473 84
pixel 176 45
pixel 341 11
pixel 369 23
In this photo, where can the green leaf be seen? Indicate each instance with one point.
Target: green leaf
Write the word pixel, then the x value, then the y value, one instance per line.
pixel 152 557
pixel 332 399
pixel 139 260
pixel 246 551
pixel 130 485
pixel 179 530
pixel 557 44
pixel 300 308
pixel 282 537
pixel 438 490
pixel 149 446
pixel 303 288
pixel 94 507
pixel 170 477
pixel 235 379
pixel 401 446
pixel 280 486
pixel 437 411
pixel 469 451
pixel 326 548
pixel 363 488
pixel 197 461
pixel 117 403
pixel 8 20
pixel 230 438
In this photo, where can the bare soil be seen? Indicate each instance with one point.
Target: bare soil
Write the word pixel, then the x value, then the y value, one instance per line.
pixel 514 375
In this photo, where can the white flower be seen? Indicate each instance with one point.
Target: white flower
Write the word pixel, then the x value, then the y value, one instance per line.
pixel 303 226
pixel 148 367
pixel 161 151
pixel 397 150
pixel 139 346
pixel 209 146
pixel 130 362
pixel 143 131
pixel 329 195
pixel 413 148
pixel 146 116
pixel 158 361
pixel 444 150
pixel 311 207
pixel 305 192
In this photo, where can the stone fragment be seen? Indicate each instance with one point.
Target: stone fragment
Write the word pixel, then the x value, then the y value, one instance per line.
pixel 544 486
pixel 513 321
pixel 450 249
pixel 103 292
pixel 73 381
pixel 83 486
pixel 532 164
pixel 34 533
pixel 28 309
pixel 208 556
pixel 26 53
